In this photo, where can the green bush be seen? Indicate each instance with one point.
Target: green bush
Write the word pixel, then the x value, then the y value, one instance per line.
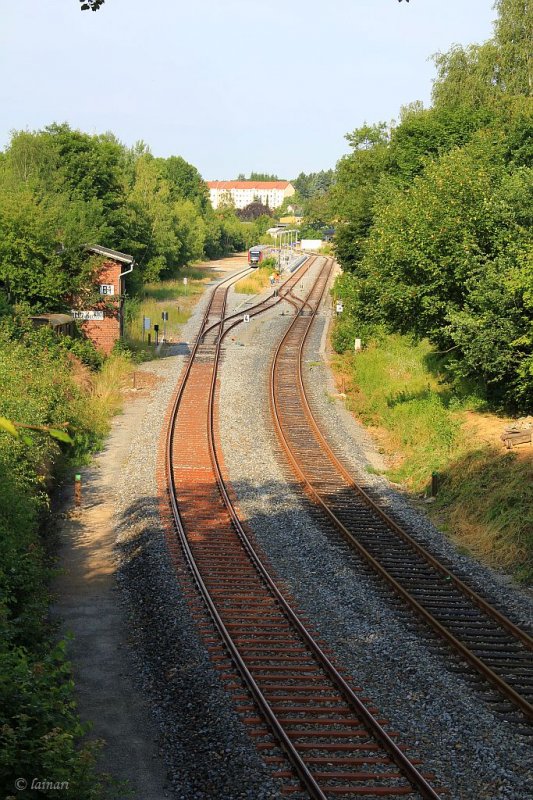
pixel 40 733
pixel 83 349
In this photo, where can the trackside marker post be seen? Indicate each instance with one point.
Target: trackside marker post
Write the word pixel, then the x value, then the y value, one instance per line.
pixel 77 490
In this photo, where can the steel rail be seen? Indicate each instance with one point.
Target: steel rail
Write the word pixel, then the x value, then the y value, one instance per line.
pixel 408 769
pixel 301 770
pixel 400 759
pixel 476 662
pixel 238 315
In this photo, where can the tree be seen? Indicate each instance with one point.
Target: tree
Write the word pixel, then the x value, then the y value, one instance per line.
pixel 154 241
pixel 314 183
pixel 253 210
pixel 358 176
pixel 318 211
pixel 92 5
pixel 257 176
pixel 190 230
pixel 263 176
pixel 467 76
pixel 450 259
pixel 514 40
pixel 44 222
pixel 184 180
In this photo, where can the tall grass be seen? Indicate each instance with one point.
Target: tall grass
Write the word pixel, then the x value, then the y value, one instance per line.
pixel 100 400
pixel 487 505
pixel 486 494
pixel 254 283
pixel 172 296
pixel 393 390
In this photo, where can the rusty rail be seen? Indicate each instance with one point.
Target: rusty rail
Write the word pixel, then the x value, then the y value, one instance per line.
pixel 316 466
pixel 312 712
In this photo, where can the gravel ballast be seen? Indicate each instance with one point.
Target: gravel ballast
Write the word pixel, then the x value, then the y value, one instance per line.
pixel 205 746
pixel 474 752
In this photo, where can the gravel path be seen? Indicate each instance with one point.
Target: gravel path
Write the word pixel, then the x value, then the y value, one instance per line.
pixel 473 752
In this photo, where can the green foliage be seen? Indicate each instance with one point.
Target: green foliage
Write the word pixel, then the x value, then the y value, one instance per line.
pixel 83 349
pixel 353 195
pixel 467 77
pixel 39 728
pixel 258 176
pixel 314 183
pixel 434 217
pixel 185 181
pixel 61 189
pixel 399 389
pixel 513 39
pixel 40 733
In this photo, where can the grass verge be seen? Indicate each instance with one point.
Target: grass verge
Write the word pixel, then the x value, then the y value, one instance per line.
pixel 258 280
pixel 485 500
pixel 173 296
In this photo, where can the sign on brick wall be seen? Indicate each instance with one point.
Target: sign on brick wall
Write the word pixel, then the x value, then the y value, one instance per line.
pixel 87 315
pixel 107 288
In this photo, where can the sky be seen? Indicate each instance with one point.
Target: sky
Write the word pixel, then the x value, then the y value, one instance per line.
pixel 230 85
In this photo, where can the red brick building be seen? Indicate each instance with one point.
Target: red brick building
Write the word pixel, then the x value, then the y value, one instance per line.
pixel 103 322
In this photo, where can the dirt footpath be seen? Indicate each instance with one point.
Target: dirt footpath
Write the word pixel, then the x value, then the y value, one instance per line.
pixel 88 605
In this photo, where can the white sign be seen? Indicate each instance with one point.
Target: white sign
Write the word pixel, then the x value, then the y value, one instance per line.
pixel 247 318
pixel 107 288
pixel 340 306
pixel 86 315
pixel 185 281
pixel 146 323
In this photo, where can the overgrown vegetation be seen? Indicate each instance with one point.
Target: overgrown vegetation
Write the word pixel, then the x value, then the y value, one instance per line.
pixel 422 423
pixel 174 297
pixel 42 384
pixel 487 506
pixel 393 389
pixel 259 279
pixel 434 233
pixel 435 217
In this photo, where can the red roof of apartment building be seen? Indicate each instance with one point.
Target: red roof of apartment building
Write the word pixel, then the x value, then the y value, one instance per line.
pixel 248 184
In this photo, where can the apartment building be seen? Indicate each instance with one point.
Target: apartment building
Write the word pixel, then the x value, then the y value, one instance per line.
pixel 270 193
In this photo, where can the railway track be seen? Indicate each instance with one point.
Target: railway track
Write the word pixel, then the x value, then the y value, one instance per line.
pixel 310 725
pixel 498 650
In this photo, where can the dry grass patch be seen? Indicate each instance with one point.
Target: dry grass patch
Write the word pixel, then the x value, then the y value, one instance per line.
pixel 104 395
pixel 254 283
pixel 486 504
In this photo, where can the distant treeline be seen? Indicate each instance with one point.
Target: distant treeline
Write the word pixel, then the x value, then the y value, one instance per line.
pixel 434 217
pixel 61 189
